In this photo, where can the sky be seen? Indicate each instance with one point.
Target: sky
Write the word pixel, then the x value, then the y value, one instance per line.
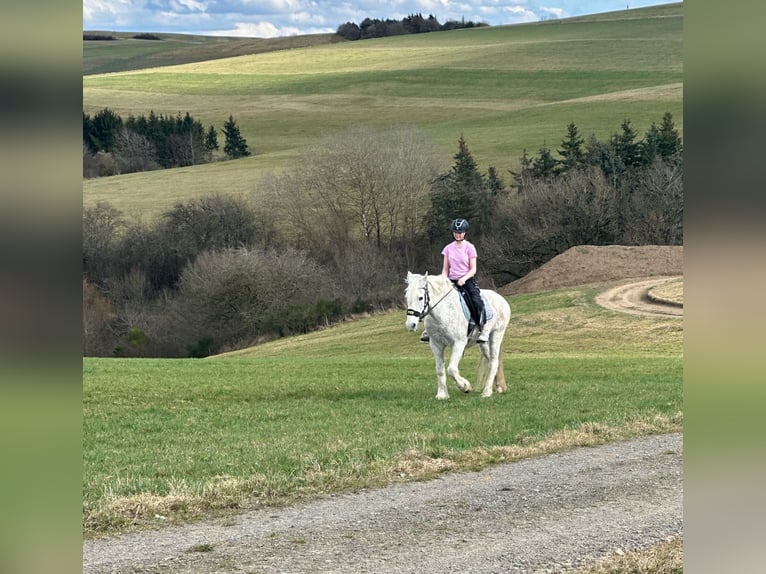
pixel 273 18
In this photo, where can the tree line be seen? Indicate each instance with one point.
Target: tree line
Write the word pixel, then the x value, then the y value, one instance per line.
pixel 335 234
pixel 412 24
pixel 113 146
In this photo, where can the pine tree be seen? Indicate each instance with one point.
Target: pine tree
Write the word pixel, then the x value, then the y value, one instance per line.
pixel 211 139
pixel 462 192
pixel 626 147
pixel 571 150
pixel 235 146
pixel 494 184
pixel 544 165
pixel 670 144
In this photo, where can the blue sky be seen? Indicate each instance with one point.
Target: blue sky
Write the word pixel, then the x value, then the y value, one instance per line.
pixel 271 18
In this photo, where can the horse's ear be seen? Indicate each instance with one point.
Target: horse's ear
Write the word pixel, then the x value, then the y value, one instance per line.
pixel 409 276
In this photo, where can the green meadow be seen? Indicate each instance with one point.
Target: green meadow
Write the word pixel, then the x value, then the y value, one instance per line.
pixel 504 88
pixel 353 406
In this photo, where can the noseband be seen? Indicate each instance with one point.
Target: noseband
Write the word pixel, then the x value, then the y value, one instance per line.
pixel 426 305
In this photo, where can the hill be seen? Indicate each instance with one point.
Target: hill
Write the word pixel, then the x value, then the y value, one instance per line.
pixel 587 264
pixel 127 52
pixel 506 89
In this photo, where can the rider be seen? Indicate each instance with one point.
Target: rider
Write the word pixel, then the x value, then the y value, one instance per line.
pixel 460 266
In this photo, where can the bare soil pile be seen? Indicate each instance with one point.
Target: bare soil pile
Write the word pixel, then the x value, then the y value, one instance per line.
pixel 587 264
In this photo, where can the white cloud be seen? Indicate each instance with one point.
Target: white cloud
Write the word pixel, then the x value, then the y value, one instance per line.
pixel 266 30
pixel 115 11
pixel 268 18
pixel 520 14
pixel 555 12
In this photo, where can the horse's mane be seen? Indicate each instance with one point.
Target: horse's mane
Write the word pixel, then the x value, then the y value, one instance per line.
pixel 439 283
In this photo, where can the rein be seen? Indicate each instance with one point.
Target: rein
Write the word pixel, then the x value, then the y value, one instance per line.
pixel 427 307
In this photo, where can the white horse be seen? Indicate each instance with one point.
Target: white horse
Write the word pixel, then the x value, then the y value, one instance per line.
pixel 436 301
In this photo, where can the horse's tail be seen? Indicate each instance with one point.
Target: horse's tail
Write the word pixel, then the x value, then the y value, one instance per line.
pixel 483 370
pixel 481 376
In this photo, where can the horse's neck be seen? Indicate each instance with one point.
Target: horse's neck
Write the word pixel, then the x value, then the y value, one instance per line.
pixel 441 289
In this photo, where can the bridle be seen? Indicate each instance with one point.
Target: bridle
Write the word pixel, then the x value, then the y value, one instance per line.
pixel 427 307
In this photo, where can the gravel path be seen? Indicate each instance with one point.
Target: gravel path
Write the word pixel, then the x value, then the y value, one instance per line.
pixel 543 514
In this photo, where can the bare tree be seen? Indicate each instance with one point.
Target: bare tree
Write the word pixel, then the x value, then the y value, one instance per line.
pixel 656 206
pixel 101 228
pixel 134 152
pixel 549 217
pixel 357 185
pixel 97 317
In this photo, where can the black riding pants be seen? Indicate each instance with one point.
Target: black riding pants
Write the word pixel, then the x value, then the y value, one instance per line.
pixel 475 303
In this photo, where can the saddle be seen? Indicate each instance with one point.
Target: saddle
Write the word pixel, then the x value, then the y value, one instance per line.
pixel 465 303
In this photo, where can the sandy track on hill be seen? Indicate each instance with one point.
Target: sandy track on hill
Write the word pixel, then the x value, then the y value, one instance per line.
pixel 636 298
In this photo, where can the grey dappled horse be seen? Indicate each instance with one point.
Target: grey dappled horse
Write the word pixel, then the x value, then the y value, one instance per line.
pixel 436 301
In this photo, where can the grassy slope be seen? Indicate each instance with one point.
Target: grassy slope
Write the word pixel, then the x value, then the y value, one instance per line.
pixel 354 406
pixel 505 88
pixel 127 53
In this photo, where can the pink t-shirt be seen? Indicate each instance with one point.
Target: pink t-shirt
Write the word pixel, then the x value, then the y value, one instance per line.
pixel 459 258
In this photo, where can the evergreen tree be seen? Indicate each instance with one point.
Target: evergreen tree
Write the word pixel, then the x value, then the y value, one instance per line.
pixel 571 150
pixel 626 147
pixel 494 184
pixel 462 192
pixel 88 139
pixel 670 144
pixel 651 144
pixel 544 165
pixel 235 146
pixel 211 139
pixel 105 126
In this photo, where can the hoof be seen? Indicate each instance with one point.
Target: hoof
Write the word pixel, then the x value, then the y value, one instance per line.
pixel 442 397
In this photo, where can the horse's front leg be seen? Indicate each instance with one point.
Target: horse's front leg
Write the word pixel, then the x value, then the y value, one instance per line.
pixel 441 376
pixel 453 370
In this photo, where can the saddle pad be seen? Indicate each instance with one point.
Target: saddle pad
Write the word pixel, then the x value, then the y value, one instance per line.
pixel 488 312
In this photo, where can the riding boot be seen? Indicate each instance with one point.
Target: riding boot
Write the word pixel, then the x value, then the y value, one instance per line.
pixel 484 333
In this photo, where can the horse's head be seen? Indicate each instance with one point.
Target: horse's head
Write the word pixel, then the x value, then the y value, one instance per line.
pixel 417 297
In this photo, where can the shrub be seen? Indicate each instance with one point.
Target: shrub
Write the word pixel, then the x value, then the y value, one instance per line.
pixel 237 296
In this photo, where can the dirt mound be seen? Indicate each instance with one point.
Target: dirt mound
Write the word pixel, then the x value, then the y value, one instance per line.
pixel 586 264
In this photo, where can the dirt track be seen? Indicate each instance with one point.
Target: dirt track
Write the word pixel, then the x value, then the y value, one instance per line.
pixel 544 514
pixel 638 298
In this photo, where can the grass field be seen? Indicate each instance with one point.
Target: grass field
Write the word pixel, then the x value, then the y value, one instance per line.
pixel 504 88
pixel 353 406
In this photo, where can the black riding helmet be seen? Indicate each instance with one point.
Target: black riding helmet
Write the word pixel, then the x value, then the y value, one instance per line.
pixel 460 226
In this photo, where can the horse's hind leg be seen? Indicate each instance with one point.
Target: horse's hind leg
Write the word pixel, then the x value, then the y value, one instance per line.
pixel 494 371
pixel 500 385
